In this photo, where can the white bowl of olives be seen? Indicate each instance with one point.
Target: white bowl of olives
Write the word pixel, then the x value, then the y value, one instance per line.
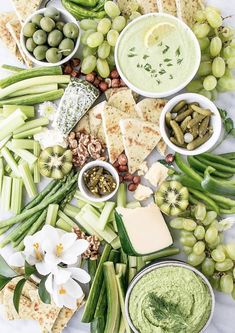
pixel 50 37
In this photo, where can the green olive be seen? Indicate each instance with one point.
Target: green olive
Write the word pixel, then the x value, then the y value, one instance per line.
pixel 40 52
pixel 47 24
pixel 29 29
pixel 53 55
pixel 36 19
pixel 60 25
pixel 40 37
pixel 68 45
pixel 70 30
pixel 30 45
pixel 53 13
pixel 55 37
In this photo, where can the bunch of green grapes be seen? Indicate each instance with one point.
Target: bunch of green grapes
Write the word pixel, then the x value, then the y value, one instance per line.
pixel 99 39
pixel 203 244
pixel 217 45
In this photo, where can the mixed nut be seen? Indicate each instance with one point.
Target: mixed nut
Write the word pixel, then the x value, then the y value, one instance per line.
pixel 189 125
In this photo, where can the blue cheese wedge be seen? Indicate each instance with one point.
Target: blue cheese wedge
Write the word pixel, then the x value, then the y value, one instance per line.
pixel 78 98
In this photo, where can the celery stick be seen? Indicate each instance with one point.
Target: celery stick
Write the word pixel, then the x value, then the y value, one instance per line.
pixel 116 244
pixel 81 203
pixel 10 161
pixel 121 195
pixel 35 90
pixel 64 217
pixel 7 167
pixel 28 134
pixel 6 194
pixel 132 261
pixel 25 154
pixel 121 294
pixel 32 124
pixel 16 196
pixel 79 196
pixel 8 125
pixel 23 144
pixel 28 180
pixel 131 273
pixel 12 68
pixel 52 212
pixel 1 172
pixel 4 141
pixel 107 210
pixel 133 204
pixel 86 226
pixel 36 172
pixel 71 211
pixel 28 110
pixel 31 166
pixel 122 328
pixel 61 224
pixel 140 263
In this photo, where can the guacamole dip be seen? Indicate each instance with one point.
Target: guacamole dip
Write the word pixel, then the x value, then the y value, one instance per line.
pixel 157 53
pixel 170 299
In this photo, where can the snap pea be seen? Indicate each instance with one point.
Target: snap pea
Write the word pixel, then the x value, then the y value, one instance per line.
pixel 203 126
pixel 199 141
pixel 79 12
pixel 204 112
pixel 213 185
pixel 183 115
pixel 86 3
pixel 186 168
pixel 230 156
pixel 178 107
pixel 228 211
pixel 184 123
pixel 178 132
pixel 211 203
pixel 100 6
pixel 218 159
pixel 196 120
pixel 217 166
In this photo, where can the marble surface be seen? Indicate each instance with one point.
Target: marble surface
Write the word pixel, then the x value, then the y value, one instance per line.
pixel 224 316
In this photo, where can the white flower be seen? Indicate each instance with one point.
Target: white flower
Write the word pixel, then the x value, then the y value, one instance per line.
pixel 47 109
pixel 226 224
pixel 51 137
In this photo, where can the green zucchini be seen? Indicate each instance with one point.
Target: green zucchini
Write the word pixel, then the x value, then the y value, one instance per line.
pixel 121 294
pixel 11 68
pixel 121 195
pixel 92 267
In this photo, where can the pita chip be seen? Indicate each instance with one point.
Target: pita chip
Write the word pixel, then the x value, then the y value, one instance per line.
pixel 127 7
pixel 124 101
pixel 139 139
pixel 24 8
pixel 95 118
pixel 186 10
pixel 167 6
pixel 111 91
pixel 148 6
pixel 162 148
pixel 83 125
pixel 150 109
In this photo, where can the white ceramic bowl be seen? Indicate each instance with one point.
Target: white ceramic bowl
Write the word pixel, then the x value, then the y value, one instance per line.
pixel 215 123
pixel 65 17
pixel 168 263
pixel 84 190
pixel 195 66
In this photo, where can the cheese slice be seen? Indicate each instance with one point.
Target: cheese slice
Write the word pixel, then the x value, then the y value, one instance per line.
pixel 156 174
pixel 142 192
pixel 145 230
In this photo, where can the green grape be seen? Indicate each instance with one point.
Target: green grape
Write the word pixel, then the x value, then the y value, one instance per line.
pixel 199 232
pixel 226 84
pixel 209 83
pixel 234 273
pixel 177 223
pixel 215 46
pixel 194 86
pixel 231 63
pixel 187 249
pixel 227 33
pixel 204 43
pixel 205 93
pixel 230 250
pixel 215 281
pixel 215 224
pixel 188 240
pixel 208 267
pixel 211 235
pixel 233 292
pixel 95 39
pixel 200 16
pixel 205 57
pixel 86 51
pixel 224 266
pixel 214 94
pixel 103 68
pixel 185 233
pixel 213 9
pixel 112 37
pixel 200 211
pixel 196 260
pixel 199 248
pixel 189 225
pixel 111 60
pixel 85 35
pixel 228 52
pixel 119 23
pixel 201 30
pixel 111 9
pixel 214 18
pixel 205 68
pixel 88 24
pixel 134 15
pixel 104 50
pixel 213 245
pixel 88 64
pixel 228 73
pixel 104 26
pixel 226 284
pixel 218 67
pixel 218 255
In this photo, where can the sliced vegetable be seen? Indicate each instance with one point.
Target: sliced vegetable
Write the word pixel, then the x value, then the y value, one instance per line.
pixel 32 124
pixel 61 224
pixel 23 153
pixel 10 161
pixel 35 90
pixel 52 212
pixel 168 252
pixel 4 141
pixel 36 152
pixel 8 125
pixel 199 166
pixel 121 195
pixel 211 203
pixel 29 133
pixel 1 172
pixel 218 159
pixel 16 195
pixel 28 180
pixel 213 185
pixel 12 68
pixel 79 196
pixel 23 144
pixel 6 194
pixel 121 294
pixel 216 166
pixel 106 212
pixel 64 217
pixel 28 110
pixel 71 210
pixel 186 168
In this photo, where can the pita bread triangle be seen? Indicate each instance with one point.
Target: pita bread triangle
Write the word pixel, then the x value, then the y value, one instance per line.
pixel 139 139
pixel 24 8
pixel 124 101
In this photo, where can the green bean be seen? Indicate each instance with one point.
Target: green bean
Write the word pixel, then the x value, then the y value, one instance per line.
pixel 218 159
pixel 184 123
pixel 178 132
pixel 230 156
pixel 203 126
pixel 183 115
pixel 186 168
pixel 204 112
pixel 196 120
pixel 199 141
pixel 178 106
pixel 211 203
pixel 217 166
pixel 228 211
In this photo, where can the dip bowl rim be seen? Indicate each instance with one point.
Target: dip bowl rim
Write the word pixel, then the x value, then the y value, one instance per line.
pixel 68 19
pixel 168 92
pixel 82 187
pixel 168 263
pixel 215 122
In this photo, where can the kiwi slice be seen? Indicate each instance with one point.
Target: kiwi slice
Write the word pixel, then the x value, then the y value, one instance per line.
pixel 172 198
pixel 55 162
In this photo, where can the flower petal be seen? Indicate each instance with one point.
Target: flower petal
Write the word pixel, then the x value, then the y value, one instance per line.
pixel 79 274
pixel 68 240
pixel 79 247
pixel 16 259
pixel 73 289
pixel 68 258
pixel 43 267
pixel 61 275
pixel 52 258
pixel 49 284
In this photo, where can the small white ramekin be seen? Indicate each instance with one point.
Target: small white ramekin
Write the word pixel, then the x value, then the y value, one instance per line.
pixel 84 190
pixel 65 17
pixel 216 123
pixel 195 66
pixel 168 263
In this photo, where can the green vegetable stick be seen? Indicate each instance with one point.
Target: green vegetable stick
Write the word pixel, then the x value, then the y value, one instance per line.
pixel 16 196
pixel 52 212
pixel 28 110
pixel 106 212
pixel 71 210
pixel 23 144
pixel 23 153
pixel 36 172
pixel 121 195
pixel 4 141
pixel 61 224
pixel 6 194
pixel 29 133
pixel 10 161
pixel 12 68
pixel 121 294
pixel 1 172
pixel 35 90
pixel 64 217
pixel 79 196
pixel 32 124
pixel 8 125
pixel 28 180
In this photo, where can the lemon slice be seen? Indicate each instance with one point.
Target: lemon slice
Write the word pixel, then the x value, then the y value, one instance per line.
pixel 157 33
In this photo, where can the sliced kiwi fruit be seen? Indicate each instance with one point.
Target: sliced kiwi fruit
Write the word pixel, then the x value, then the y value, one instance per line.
pixel 172 198
pixel 55 162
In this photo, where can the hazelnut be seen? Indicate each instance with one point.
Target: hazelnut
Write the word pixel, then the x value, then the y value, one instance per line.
pixel 116 164
pixel 122 159
pixel 122 83
pixel 132 187
pixel 128 177
pixel 75 62
pixel 136 180
pixel 122 168
pixel 74 73
pixel 103 86
pixel 90 77
pixel 120 179
pixel 74 144
pixel 114 74
pixel 169 158
pixel 68 69
pixel 96 82
pixel 115 83
pixel 72 135
pixel 99 78
pixel 108 81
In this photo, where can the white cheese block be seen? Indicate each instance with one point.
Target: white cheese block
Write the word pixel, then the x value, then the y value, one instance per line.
pixel 142 192
pixel 156 174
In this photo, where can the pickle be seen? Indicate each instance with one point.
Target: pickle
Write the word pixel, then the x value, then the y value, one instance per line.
pixel 178 106
pixel 205 112
pixel 183 115
pixel 203 126
pixel 194 103
pixel 195 131
pixel 199 141
pixel 168 119
pixel 177 131
pixel 175 142
pixel 184 108
pixel 184 123
pixel 196 120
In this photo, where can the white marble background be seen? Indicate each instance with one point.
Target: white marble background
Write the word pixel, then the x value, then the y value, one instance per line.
pixel 224 316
